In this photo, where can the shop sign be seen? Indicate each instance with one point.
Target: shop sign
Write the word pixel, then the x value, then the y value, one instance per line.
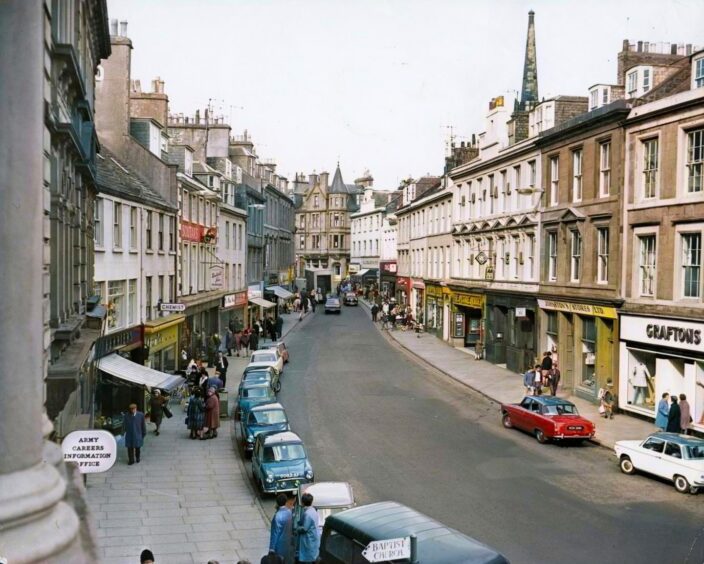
pixel 582 309
pixel 108 343
pixel 161 339
pixel 191 232
pixel 470 300
pixel 459 325
pixel 520 312
pixel 388 266
pixel 353 268
pixel 404 282
pixel 433 290
pixel 671 333
pixel 92 451
pixel 254 291
pixel 172 307
pixel 217 276
pixel 234 300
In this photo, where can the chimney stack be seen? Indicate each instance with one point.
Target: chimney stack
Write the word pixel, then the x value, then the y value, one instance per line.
pixel 197 117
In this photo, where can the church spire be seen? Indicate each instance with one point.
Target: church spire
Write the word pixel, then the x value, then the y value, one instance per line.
pixel 529 90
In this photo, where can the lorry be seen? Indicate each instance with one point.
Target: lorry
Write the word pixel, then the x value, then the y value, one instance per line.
pixel 319 279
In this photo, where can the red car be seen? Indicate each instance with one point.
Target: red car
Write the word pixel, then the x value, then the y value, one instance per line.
pixel 547 417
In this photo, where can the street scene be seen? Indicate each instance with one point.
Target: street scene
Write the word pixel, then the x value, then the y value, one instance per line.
pixel 349 282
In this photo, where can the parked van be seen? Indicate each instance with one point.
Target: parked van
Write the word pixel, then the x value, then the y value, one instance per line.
pixel 346 535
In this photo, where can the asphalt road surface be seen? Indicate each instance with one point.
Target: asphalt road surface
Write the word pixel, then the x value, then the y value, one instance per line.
pixel 370 414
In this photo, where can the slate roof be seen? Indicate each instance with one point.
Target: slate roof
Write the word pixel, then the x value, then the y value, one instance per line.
pixel 339 187
pixel 117 179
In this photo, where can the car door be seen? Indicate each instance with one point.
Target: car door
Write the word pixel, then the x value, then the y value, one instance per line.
pixel 521 413
pixel 670 462
pixel 647 457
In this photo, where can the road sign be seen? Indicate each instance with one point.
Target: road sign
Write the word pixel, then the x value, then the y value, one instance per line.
pixel 93 451
pixel 389 549
pixel 172 307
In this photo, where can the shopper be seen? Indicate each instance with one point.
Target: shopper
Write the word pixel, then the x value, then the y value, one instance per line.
pixel 309 532
pixel 554 378
pixel 663 412
pixel 281 533
pixel 212 415
pixel 685 414
pixel 135 429
pixel 674 417
pixel 156 409
pixel 195 414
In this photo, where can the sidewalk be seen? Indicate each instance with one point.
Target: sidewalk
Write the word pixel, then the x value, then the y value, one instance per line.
pixel 188 501
pixel 503 386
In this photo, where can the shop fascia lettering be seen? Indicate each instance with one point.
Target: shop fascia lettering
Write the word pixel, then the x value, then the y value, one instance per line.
pixel 664 332
pixel 672 333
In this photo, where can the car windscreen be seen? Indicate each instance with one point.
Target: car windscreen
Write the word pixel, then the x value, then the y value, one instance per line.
pixel 267 357
pixel 255 392
pixel 560 409
pixel 257 375
pixel 280 453
pixel 269 417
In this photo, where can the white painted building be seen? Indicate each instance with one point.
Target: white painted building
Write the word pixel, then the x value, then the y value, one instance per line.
pixel 366 231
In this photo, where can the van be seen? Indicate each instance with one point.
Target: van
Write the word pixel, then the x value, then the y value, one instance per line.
pixel 346 535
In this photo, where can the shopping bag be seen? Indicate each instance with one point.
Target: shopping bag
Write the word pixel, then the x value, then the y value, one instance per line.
pixel 167 412
pixel 602 409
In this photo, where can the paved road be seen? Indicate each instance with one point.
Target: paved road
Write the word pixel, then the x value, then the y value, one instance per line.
pixel 371 415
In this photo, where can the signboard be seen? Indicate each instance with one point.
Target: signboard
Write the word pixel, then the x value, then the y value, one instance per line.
pixel 254 291
pixel 386 550
pixel 234 300
pixel 161 339
pixel 520 312
pixel 663 332
pixel 481 257
pixel 217 277
pixel 109 343
pixel 459 325
pixel 172 307
pixel 93 451
pixel 191 232
pixel 583 309
pixel 388 267
pixel 469 300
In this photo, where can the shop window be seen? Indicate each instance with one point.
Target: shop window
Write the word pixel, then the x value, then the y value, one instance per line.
pixel 551 332
pixel 116 304
pixel 588 352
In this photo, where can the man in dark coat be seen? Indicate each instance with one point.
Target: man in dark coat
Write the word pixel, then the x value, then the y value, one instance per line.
pixel 135 429
pixel 673 417
pixel 254 338
pixel 279 326
pixel 375 311
pixel 221 368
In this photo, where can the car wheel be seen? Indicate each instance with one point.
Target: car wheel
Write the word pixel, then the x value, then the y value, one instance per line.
pixel 277 388
pixel 506 420
pixel 627 466
pixel 681 484
pixel 540 437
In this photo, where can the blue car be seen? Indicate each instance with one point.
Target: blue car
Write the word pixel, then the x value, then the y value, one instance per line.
pixel 253 394
pixel 265 418
pixel 261 374
pixel 280 462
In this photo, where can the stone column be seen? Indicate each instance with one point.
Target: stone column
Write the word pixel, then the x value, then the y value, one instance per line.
pixel 35 524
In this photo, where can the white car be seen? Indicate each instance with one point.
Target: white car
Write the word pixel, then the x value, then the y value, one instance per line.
pixel 679 458
pixel 268 357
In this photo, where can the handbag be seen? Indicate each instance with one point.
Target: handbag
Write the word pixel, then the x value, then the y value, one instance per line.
pixel 167 412
pixel 602 409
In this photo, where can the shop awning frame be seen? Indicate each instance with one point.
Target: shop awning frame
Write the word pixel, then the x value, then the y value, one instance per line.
pixel 261 302
pixel 124 369
pixel 362 272
pixel 280 292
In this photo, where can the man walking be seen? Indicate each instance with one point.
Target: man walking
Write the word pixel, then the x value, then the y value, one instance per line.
pixel 309 532
pixel 281 534
pixel 375 311
pixel 156 409
pixel 135 429
pixel 528 381
pixel 279 327
pixel 554 378
pixel 254 338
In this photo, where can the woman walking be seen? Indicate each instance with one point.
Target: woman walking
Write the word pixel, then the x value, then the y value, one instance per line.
pixel 212 415
pixel 196 414
pixel 156 409
pixel 663 412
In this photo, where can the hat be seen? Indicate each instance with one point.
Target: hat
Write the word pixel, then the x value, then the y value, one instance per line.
pixel 146 556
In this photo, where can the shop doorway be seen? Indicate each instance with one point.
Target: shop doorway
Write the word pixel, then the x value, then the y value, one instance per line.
pixel 496 343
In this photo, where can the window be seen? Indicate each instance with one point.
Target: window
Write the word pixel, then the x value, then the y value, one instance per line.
pixel 148 299
pixel 647 258
pixel 316 241
pixel 171 288
pixel 593 99
pixel 161 289
pixel 604 168
pixel 149 231
pixel 315 220
pixel 695 160
pixel 646 80
pixel 699 72
pixel 531 169
pixel 133 228
pixel 239 236
pixel 605 96
pixel 650 168
pixel 316 201
pixel 517 176
pixel 602 256
pixel 530 251
pixel 302 221
pixel 301 241
pixel 552 256
pixel 656 445
pixel 576 251
pixel 673 450
pixel 117 225
pixel 336 220
pixel 577 175
pixel 116 304
pixel 227 234
pixel 98 234
pixel 691 264
pixel 172 234
pixel 588 379
pixel 133 303
pixel 161 232
pixel 632 84
pixel 554 179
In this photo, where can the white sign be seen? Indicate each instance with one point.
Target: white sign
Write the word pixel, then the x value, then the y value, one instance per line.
pixel 217 276
pixel 662 332
pixel 254 291
pixel 172 307
pixel 520 312
pixel 390 549
pixel 93 451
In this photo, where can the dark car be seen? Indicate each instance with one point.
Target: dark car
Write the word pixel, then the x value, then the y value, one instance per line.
pixel 263 418
pixel 261 374
pixel 252 394
pixel 332 305
pixel 351 299
pixel 280 462
pixel 547 417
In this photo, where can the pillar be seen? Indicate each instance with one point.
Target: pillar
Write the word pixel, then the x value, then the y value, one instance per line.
pixel 35 524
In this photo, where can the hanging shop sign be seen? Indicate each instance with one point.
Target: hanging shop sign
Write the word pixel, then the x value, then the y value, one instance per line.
pixel 520 312
pixel 191 232
pixel 217 277
pixel 172 307
pixel 581 309
pixel 672 333
pixel 92 451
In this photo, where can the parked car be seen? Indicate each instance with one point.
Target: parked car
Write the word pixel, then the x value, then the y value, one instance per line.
pixel 548 418
pixel 252 394
pixel 262 418
pixel 328 498
pixel 280 462
pixel 351 299
pixel 267 374
pixel 346 534
pixel 279 346
pixel 332 305
pixel 678 458
pixel 267 357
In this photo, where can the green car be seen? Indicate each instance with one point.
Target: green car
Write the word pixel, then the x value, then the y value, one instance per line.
pixel 262 418
pixel 251 394
pixel 280 462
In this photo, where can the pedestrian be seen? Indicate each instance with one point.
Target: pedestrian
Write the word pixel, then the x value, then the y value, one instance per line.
pixel 135 429
pixel 244 342
pixel 279 327
pixel 156 409
pixel 297 303
pixel 272 330
pixel 309 532
pixel 147 557
pixel 281 533
pixel 528 380
pixel 663 412
pixel 221 368
pixel 554 378
pixel 229 341
pixel 195 414
pixel 606 407
pixel 311 305
pixel 203 380
pixel 538 380
pixel 215 382
pixel 375 311
pixel 212 415
pixel 685 414
pixel 254 338
pixel 546 366
pixel 674 417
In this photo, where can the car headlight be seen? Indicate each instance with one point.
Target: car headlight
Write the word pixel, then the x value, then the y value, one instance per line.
pixel 269 477
pixel 250 439
pixel 309 474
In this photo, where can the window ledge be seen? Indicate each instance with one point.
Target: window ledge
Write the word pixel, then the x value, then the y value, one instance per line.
pixel 99 249
pixel 162 252
pixel 149 251
pixel 134 251
pixel 117 249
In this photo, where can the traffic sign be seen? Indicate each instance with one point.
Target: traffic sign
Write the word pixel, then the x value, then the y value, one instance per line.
pixel 389 549
pixel 172 307
pixel 93 451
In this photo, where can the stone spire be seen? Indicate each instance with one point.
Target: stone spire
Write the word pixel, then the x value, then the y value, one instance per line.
pixel 529 90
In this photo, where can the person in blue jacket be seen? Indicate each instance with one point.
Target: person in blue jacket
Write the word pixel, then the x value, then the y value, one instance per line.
pixel 663 412
pixel 308 531
pixel 135 429
pixel 281 534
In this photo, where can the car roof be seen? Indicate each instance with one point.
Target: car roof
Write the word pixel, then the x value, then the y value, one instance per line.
pixel 258 367
pixel 684 440
pixel 437 543
pixel 329 494
pixel 267 407
pixel 550 400
pixel 256 384
pixel 276 438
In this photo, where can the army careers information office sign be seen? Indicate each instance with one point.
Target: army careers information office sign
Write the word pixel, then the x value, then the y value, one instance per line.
pixel 93 451
pixel 389 549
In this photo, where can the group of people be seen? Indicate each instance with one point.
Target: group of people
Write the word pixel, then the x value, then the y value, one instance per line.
pixel 243 340
pixel 284 532
pixel 545 374
pixel 391 314
pixel 675 416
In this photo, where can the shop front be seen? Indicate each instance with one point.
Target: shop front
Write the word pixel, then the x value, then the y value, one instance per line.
pixel 403 290
pixel 437 299
pixel 583 340
pixel 387 278
pixel 417 300
pixel 467 314
pixel 259 307
pixel 511 336
pixel 202 322
pixel 659 355
pixel 233 309
pixel 161 339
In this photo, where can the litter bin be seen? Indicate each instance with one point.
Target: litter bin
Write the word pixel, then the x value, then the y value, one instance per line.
pixel 224 404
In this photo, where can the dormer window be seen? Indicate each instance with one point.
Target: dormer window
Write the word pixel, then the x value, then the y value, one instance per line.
pixel 698 72
pixel 639 80
pixel 188 163
pixel 593 99
pixel 599 95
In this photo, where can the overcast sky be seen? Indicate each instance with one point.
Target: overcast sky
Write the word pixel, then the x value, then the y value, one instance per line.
pixel 375 83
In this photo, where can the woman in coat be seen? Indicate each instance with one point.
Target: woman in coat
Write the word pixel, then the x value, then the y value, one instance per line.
pixel 663 411
pixel 212 415
pixel 156 409
pixel 196 414
pixel 673 418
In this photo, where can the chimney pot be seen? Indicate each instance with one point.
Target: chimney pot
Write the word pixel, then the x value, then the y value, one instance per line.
pixel 113 27
pixel 197 116
pixel 123 28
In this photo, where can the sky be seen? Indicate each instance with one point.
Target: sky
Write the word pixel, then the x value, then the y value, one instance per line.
pixel 377 84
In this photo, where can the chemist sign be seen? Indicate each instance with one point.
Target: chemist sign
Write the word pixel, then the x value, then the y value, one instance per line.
pixel 390 549
pixel 92 451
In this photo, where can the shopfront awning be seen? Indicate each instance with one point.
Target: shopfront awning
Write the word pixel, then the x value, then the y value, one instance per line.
pixel 282 293
pixel 125 369
pixel 261 302
pixel 362 272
